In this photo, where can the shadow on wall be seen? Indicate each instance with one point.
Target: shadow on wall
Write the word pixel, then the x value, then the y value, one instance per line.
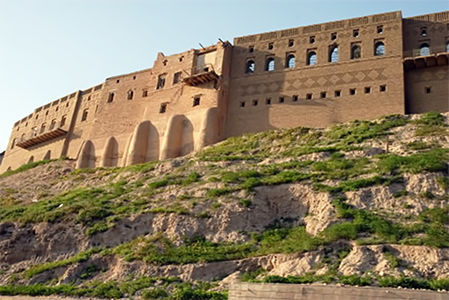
pixel 110 153
pixel 144 144
pixel 179 139
pixel 87 156
pixel 47 155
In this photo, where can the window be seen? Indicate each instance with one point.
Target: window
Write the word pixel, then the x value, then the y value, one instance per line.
pixel 308 96
pixel 379 48
pixel 333 54
pixel 333 36
pixel 269 64
pixel 145 93
pixel 134 77
pixel 355 33
pixel 196 101
pixel 13 143
pixel 46 113
pixel 270 46
pixel 43 127
pixel 110 97
pixel 84 116
pixel 281 99
pixel 291 43
pixel 367 90
pixel 117 81
pixel 251 49
pixel 52 124
pixel 242 103
pixel 163 108
pixel 356 51
pixel 337 93
pixel 130 95
pixel 63 120
pixel 37 117
pixel 312 39
pixel 290 62
pixel 161 81
pixel 424 49
pixel 181 58
pixel 428 89
pixel 351 91
pixel 423 31
pixel 164 62
pixel 447 46
pixel 295 98
pixel 255 102
pixel 323 95
pixel 250 66
pixel 382 88
pixel 311 58
pixel 380 29
pixel 177 77
pixel 268 101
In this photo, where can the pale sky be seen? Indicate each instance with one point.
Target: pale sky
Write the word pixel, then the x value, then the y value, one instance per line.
pixel 50 48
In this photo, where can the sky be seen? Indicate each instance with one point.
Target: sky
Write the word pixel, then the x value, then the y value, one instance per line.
pixel 51 48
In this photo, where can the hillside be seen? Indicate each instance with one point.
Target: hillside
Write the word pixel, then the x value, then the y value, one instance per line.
pixel 363 203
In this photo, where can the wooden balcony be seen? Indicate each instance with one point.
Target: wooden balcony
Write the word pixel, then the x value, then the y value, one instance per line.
pixel 433 60
pixel 42 138
pixel 201 78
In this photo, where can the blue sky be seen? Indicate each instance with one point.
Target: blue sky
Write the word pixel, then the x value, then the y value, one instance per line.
pixel 50 48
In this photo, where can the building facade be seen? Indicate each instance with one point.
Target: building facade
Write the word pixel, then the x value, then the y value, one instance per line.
pixel 314 76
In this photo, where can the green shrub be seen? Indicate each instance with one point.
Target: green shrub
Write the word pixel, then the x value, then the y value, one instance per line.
pixel 154 293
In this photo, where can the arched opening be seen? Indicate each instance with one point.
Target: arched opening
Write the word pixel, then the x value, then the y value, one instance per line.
pixel 13 143
pixel 290 62
pixel 43 128
pixel 84 116
pixel 333 54
pixel 63 120
pixel 47 155
pixel 31 159
pixel 179 139
pixel 110 153
pixel 144 144
pixel 379 49
pixel 424 49
pixel 52 124
pixel 311 58
pixel 269 64
pixel 356 52
pixel 250 66
pixel 87 157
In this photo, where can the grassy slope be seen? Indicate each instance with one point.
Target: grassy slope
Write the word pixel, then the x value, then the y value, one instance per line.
pixel 140 189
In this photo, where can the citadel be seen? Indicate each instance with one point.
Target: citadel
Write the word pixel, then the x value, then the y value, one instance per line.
pixel 311 76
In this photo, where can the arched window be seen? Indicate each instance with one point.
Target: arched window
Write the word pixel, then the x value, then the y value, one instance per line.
pixel 130 94
pixel 333 54
pixel 311 58
pixel 84 116
pixel 250 66
pixel 43 127
pixel 13 143
pixel 424 49
pixel 63 119
pixel 269 65
pixel 290 62
pixel 356 52
pixel 379 49
pixel 52 124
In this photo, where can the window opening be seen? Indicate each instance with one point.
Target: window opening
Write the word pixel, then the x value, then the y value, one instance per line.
pixel 163 108
pixel 333 54
pixel 308 96
pixel 196 101
pixel 423 31
pixel 177 77
pixel 333 36
pixel 382 88
pixel 84 117
pixel 250 66
pixel 290 63
pixel 255 102
pixel 356 52
pixel 311 58
pixel 428 89
pixel 424 49
pixel 312 39
pixel 337 93
pixel 110 97
pixel 351 91
pixel 130 95
pixel 242 103
pixel 145 93
pixel 291 43
pixel 268 101
pixel 380 29
pixel 269 66
pixel 270 46
pixel 281 99
pixel 295 98
pixel 355 33
pixel 160 81
pixel 379 49
pixel 367 90
pixel 251 49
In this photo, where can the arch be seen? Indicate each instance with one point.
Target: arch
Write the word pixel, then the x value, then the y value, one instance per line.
pixel 333 54
pixel 311 58
pixel 250 66
pixel 179 137
pixel 85 114
pixel 144 144
pixel 290 62
pixel 110 153
pixel 356 52
pixel 424 49
pixel 47 155
pixel 379 49
pixel 52 124
pixel 87 156
pixel 130 94
pixel 269 64
pixel 31 159
pixel 43 128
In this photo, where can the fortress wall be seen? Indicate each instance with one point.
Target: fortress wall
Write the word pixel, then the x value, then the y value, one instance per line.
pixel 418 98
pixel 44 119
pixel 432 29
pixel 310 90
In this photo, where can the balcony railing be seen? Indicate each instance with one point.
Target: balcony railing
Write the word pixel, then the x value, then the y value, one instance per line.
pixel 201 75
pixel 37 137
